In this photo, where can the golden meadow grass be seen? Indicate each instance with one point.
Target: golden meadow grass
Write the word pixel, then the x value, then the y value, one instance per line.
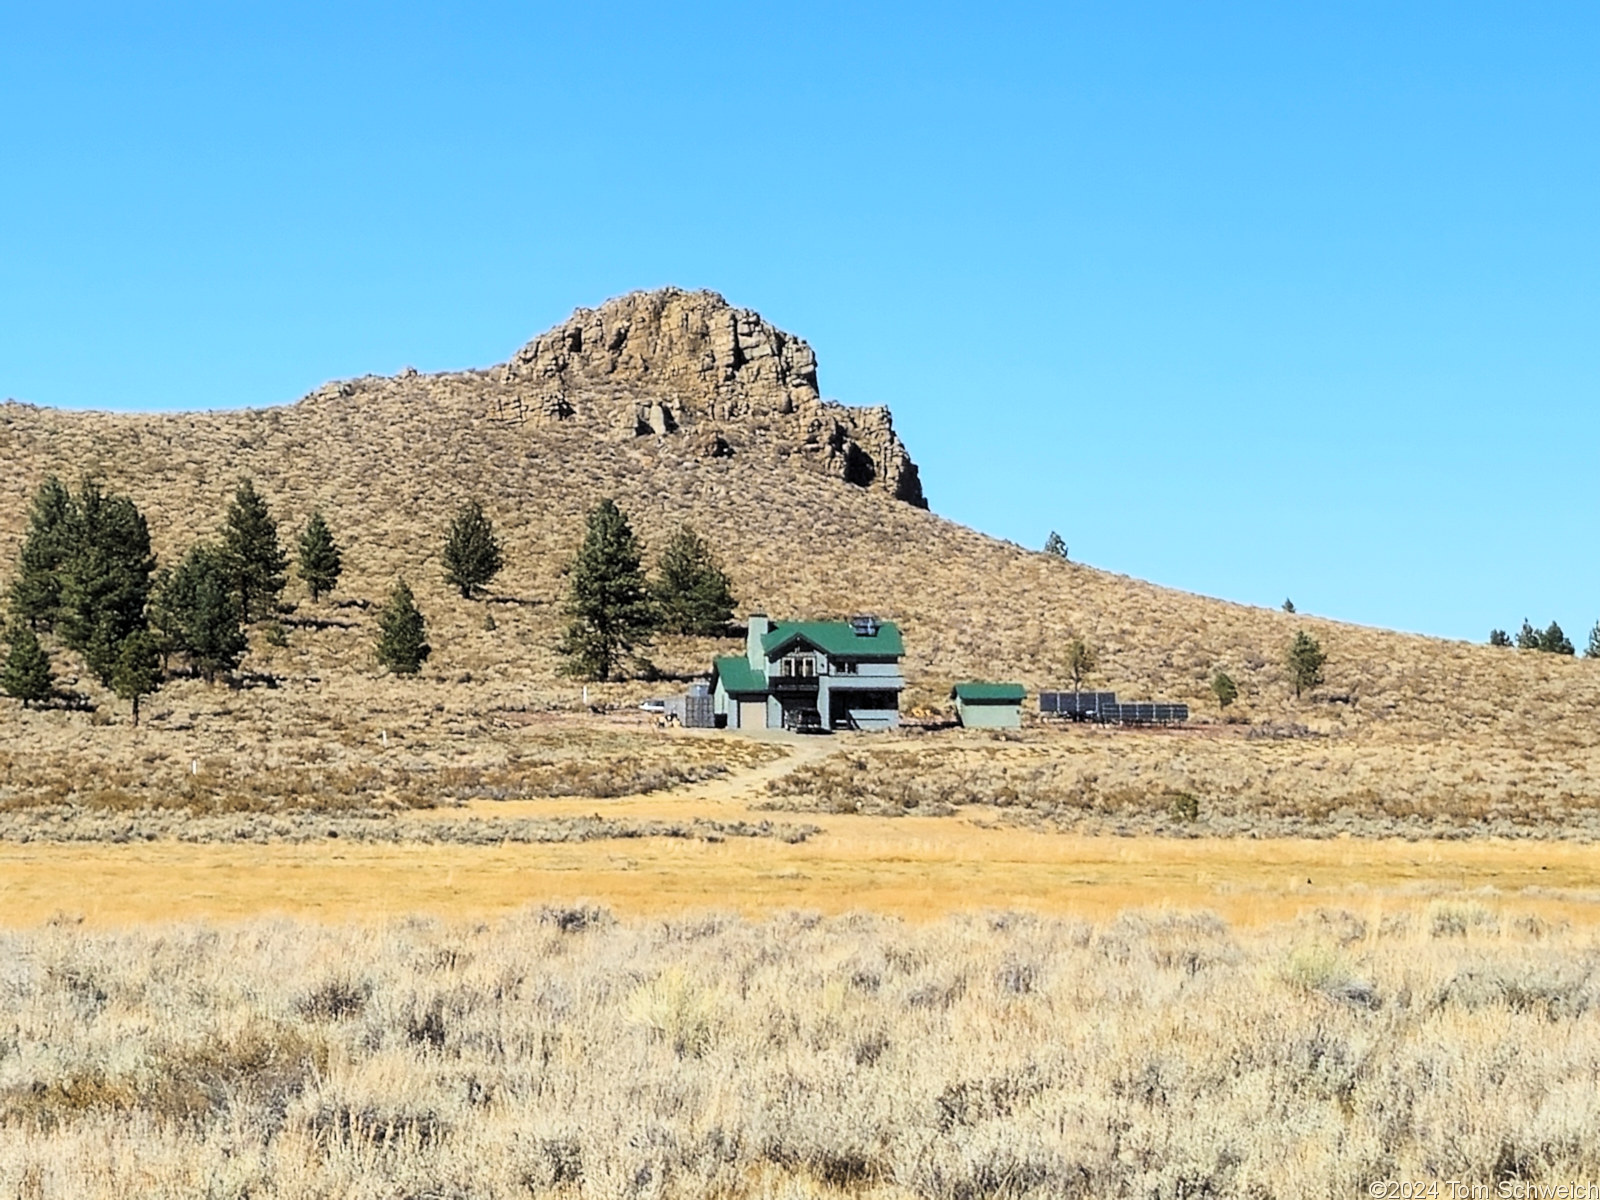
pixel 558 1053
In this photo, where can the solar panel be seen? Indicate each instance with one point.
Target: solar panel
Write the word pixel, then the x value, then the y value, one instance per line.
pixel 1049 702
pixel 1180 712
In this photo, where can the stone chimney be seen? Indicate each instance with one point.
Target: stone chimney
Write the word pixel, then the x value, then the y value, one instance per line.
pixel 759 627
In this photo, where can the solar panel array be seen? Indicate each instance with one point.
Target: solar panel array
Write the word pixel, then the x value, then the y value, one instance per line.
pixel 1102 707
pixel 1075 704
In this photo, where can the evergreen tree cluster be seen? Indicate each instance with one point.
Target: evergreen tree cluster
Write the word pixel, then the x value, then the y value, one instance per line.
pixel 614 608
pixel 83 576
pixel 86 579
pixel 1551 639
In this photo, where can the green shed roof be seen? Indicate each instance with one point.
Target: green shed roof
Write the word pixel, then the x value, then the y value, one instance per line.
pixel 989 693
pixel 737 676
pixel 836 637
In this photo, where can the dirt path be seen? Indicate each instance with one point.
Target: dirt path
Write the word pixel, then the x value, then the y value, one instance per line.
pixel 728 797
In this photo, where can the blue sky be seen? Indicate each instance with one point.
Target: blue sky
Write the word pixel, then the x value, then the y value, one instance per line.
pixel 1257 300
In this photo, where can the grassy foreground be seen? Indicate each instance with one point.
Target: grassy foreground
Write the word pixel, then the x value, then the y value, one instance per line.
pixel 558 1052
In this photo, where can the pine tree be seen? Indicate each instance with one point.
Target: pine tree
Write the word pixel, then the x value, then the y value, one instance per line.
pixel 1529 638
pixel 137 672
pixel 196 611
pixel 320 560
pixel 692 594
pixel 1593 649
pixel 36 590
pixel 1081 661
pixel 1224 689
pixel 1054 546
pixel 471 551
pixel 402 633
pixel 105 576
pixel 1499 637
pixel 256 561
pixel 26 673
pixel 608 600
pixel 1288 606
pixel 1554 641
pixel 1305 662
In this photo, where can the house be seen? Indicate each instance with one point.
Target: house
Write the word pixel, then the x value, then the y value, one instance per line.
pixel 989 705
pixel 810 674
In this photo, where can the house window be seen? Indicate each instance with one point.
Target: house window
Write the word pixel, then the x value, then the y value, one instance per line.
pixel 844 667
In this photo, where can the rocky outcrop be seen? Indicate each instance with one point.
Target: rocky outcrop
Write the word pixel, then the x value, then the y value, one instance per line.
pixel 672 363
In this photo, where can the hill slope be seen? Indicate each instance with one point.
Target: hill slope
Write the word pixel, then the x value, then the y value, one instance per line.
pixel 686 409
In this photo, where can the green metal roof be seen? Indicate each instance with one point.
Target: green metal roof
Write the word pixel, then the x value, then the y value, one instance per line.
pixel 838 638
pixel 989 693
pixel 736 674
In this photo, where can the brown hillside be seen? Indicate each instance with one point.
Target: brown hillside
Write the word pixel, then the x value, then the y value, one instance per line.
pixel 685 409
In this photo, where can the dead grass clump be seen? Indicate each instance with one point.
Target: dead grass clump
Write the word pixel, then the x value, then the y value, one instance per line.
pixel 576 919
pixel 336 1000
pixel 258 1066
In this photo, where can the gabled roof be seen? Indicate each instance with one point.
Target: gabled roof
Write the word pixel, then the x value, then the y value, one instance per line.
pixel 838 638
pixel 990 693
pixel 737 675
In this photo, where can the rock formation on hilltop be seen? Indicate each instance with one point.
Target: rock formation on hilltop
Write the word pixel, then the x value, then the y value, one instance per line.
pixel 673 364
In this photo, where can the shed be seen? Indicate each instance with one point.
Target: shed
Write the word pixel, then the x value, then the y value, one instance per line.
pixel 989 705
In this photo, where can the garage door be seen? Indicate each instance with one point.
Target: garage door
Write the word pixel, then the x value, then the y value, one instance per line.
pixel 752 714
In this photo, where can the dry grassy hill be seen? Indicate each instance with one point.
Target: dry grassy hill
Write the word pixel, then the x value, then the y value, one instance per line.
pixel 687 410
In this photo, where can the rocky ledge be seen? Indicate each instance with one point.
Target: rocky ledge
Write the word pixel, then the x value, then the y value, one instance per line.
pixel 677 364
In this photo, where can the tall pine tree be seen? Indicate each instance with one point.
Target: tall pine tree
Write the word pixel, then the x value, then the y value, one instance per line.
pixel 1305 661
pixel 25 674
pixel 105 576
pixel 692 593
pixel 402 633
pixel 608 598
pixel 256 560
pixel 471 551
pixel 320 560
pixel 36 590
pixel 196 610
pixel 137 672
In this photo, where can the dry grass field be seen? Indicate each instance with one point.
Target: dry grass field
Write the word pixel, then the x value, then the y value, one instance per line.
pixel 556 1053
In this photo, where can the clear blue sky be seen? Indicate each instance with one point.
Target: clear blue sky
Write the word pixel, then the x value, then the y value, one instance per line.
pixel 1259 300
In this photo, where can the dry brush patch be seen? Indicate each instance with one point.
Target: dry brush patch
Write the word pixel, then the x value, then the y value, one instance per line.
pixel 1218 783
pixel 560 1052
pixel 366 747
pixel 42 824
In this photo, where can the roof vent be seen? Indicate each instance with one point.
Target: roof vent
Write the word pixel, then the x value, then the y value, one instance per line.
pixel 864 626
